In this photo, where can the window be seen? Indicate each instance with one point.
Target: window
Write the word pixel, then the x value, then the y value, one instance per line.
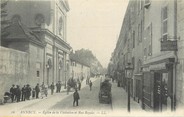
pixel 38 73
pixel 141 4
pixel 138 34
pixel 133 39
pixel 133 61
pixel 60 26
pixel 164 23
pixel 149 39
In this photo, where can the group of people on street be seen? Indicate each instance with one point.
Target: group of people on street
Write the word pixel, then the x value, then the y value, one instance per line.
pixel 19 94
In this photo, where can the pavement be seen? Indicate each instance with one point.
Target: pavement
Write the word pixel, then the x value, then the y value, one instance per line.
pixel 120 100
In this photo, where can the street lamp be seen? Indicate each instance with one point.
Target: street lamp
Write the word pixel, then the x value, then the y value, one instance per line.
pixel 128 74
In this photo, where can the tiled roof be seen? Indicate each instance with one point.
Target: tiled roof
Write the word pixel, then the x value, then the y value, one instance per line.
pixel 18 31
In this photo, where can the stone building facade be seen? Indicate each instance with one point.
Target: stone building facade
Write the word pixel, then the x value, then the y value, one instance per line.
pixel 151 40
pixel 78 69
pixel 46 20
pixel 180 53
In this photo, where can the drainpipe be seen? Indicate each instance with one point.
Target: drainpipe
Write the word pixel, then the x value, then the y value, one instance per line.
pixel 173 107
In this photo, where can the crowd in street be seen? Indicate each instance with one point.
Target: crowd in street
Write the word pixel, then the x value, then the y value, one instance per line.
pixel 17 93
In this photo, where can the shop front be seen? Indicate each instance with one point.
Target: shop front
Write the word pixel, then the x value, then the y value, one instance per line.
pixel 138 87
pixel 158 85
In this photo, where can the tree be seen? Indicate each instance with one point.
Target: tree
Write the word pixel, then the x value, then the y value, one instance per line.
pixel 86 56
pixel 4 21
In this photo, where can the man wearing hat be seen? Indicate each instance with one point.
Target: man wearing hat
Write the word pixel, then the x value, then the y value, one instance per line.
pixel 75 97
pixel 37 90
pixel 28 92
pixel 18 93
pixel 12 91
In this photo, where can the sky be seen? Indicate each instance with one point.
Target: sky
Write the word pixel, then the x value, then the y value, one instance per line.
pixel 95 25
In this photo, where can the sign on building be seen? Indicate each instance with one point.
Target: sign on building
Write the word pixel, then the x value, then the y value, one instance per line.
pixel 169 45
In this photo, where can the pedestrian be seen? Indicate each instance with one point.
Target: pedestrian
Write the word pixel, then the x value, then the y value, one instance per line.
pixel 33 93
pixel 42 90
pixel 59 86
pixel 28 92
pixel 12 91
pixel 18 93
pixel 52 88
pixel 46 91
pixel 23 93
pixel 37 90
pixel 68 89
pixel 90 85
pixel 75 97
pixel 79 85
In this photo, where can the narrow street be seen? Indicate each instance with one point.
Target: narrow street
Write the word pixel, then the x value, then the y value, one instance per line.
pixel 88 103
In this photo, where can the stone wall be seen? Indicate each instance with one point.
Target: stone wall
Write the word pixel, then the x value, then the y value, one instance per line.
pixel 13 69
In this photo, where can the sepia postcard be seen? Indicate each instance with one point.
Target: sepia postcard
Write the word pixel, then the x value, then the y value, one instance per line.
pixel 92 58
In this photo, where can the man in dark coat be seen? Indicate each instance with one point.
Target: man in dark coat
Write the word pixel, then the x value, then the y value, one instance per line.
pixel 18 93
pixel 23 93
pixel 12 91
pixel 52 88
pixel 28 92
pixel 76 98
pixel 37 90
pixel 59 86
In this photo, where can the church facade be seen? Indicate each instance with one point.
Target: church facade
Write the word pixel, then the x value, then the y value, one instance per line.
pixel 45 21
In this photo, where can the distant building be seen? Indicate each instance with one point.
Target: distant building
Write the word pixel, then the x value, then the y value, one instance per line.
pixel 78 69
pixel 42 26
